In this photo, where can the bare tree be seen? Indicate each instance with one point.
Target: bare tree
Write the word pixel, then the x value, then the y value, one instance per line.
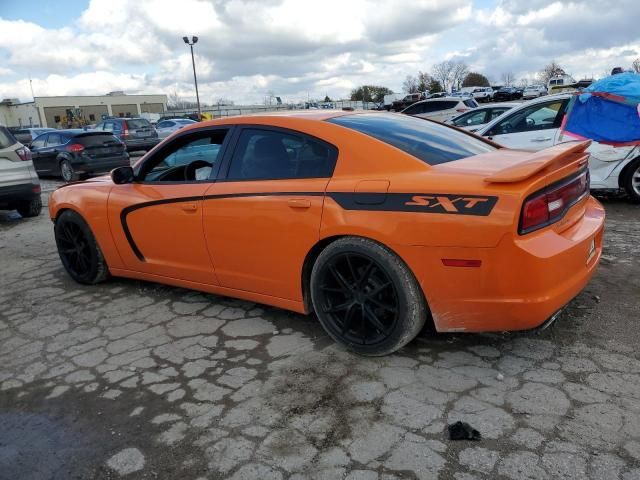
pixel 424 80
pixel 410 84
pixel 551 70
pixel 175 102
pixel 460 70
pixel 523 82
pixel 508 78
pixel 635 66
pixel 442 72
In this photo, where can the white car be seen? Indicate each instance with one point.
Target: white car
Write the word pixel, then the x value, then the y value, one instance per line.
pixel 441 109
pixel 533 91
pixel 167 127
pixel 535 125
pixel 481 94
pixel 478 117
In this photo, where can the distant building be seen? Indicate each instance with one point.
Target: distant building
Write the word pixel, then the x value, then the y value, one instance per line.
pixel 61 112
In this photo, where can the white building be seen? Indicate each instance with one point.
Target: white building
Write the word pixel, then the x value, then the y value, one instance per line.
pixel 63 111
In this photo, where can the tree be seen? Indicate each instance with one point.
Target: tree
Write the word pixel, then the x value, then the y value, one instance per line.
pixel 424 79
pixel 523 82
pixel 442 72
pixel 369 93
pixel 434 86
pixel 410 84
pixel 508 78
pixel 474 79
pixel 460 70
pixel 635 66
pixel 326 98
pixel 551 70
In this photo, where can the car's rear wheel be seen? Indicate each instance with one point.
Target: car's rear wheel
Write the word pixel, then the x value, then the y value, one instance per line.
pixel 67 172
pixel 631 180
pixel 79 252
pixel 366 297
pixel 30 208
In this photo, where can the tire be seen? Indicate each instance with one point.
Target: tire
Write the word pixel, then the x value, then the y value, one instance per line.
pixel 30 208
pixel 366 298
pixel 79 252
pixel 631 180
pixel 67 172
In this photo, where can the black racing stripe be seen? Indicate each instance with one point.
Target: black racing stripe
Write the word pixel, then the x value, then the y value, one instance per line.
pixel 455 204
pixel 132 208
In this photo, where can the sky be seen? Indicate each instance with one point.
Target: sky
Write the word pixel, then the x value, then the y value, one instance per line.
pixel 298 49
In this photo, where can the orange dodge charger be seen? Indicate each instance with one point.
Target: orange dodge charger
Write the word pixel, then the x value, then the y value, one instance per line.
pixel 377 222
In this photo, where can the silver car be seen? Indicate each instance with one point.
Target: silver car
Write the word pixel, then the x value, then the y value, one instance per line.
pixel 167 127
pixel 19 182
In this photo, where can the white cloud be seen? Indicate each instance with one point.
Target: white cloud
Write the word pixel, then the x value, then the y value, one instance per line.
pixel 298 48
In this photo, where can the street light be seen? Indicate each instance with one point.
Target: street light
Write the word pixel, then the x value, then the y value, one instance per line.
pixel 191 43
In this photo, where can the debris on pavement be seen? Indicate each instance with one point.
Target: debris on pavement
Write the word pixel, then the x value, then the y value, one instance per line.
pixel 463 431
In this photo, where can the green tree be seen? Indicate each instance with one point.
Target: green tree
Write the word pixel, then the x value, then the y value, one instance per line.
pixel 434 86
pixel 326 98
pixel 474 79
pixel 369 93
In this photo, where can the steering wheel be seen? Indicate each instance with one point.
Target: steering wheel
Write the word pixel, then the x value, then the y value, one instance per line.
pixel 190 170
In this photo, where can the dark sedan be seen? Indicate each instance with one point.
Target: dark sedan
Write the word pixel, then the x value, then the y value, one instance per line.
pixel 73 153
pixel 506 94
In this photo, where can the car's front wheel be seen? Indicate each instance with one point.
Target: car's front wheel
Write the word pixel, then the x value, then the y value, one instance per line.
pixel 631 180
pixel 79 252
pixel 366 297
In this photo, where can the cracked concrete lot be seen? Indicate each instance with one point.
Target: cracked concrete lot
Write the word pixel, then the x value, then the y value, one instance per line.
pixel 136 380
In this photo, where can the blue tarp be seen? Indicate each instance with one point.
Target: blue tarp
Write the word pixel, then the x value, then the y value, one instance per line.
pixel 608 111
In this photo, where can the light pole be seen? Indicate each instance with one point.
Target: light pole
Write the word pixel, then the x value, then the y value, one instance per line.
pixel 191 43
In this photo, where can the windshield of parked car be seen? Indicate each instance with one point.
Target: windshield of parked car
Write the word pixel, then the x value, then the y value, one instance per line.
pixel 431 142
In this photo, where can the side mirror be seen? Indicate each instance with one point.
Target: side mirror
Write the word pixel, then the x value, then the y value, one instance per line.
pixel 122 175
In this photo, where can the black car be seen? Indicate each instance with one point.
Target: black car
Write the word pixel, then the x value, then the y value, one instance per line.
pixel 135 133
pixel 506 94
pixel 72 153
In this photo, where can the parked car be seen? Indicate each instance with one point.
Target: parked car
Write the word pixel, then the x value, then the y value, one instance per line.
pixel 19 182
pixel 27 135
pixel 390 98
pixel 481 94
pixel 534 91
pixel 399 105
pixel 135 133
pixel 73 153
pixel 506 94
pixel 167 127
pixel 441 109
pixel 374 256
pixel 436 95
pixel 478 117
pixel 535 125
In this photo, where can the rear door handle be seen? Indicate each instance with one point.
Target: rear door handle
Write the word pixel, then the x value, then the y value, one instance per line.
pixel 541 139
pixel 299 203
pixel 189 207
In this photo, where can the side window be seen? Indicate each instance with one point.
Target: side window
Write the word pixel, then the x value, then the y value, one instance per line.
pixel 189 158
pixel 272 155
pixel 39 141
pixel 54 139
pixel 474 118
pixel 415 109
pixel 108 126
pixel 164 124
pixel 496 112
pixel 536 117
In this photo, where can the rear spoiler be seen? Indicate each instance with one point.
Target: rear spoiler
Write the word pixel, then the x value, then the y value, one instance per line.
pixel 538 161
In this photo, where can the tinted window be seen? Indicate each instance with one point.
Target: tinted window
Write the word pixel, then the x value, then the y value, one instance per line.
pixel 439 106
pixel 470 103
pixel 54 139
pixel 414 109
pixel 108 126
pixel 536 117
pixel 429 141
pixel 269 154
pixel 39 141
pixel 471 118
pixel 137 123
pixel 6 139
pixel 164 124
pixel 496 112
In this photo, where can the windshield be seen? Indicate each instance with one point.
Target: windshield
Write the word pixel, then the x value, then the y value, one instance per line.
pixel 431 142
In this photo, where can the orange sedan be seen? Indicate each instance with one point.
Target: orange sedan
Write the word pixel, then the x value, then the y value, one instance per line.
pixel 376 222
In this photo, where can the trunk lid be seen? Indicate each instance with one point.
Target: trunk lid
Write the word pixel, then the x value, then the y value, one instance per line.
pixel 100 144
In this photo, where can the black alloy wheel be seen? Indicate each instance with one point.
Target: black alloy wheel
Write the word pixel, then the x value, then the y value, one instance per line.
pixel 79 252
pixel 366 297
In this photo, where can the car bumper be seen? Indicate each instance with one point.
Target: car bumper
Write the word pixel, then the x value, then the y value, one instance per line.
pixel 520 284
pixel 141 144
pixel 100 165
pixel 18 193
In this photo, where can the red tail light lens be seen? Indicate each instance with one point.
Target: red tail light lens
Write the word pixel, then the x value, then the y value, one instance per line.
pixel 550 205
pixel 75 148
pixel 462 110
pixel 125 130
pixel 24 153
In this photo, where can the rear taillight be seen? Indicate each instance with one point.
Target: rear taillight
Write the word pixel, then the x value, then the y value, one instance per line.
pixel 24 153
pixel 125 130
pixel 75 148
pixel 550 204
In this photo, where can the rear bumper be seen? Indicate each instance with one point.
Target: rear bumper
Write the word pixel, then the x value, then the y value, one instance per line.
pixel 9 195
pixel 141 144
pixel 521 283
pixel 100 165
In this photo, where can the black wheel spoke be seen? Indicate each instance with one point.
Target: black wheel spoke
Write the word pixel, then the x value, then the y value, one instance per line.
pixel 339 308
pixel 362 281
pixel 373 319
pixel 385 306
pixel 348 319
pixel 378 289
pixel 338 276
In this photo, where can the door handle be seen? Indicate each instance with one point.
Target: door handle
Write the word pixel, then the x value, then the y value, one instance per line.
pixel 541 139
pixel 299 203
pixel 189 207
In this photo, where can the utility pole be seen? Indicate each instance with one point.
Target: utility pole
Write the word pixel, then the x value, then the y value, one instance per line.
pixel 191 43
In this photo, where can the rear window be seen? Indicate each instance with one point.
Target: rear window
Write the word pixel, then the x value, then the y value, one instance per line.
pixel 6 139
pixel 93 139
pixel 438 106
pixel 138 123
pixel 471 103
pixel 431 142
